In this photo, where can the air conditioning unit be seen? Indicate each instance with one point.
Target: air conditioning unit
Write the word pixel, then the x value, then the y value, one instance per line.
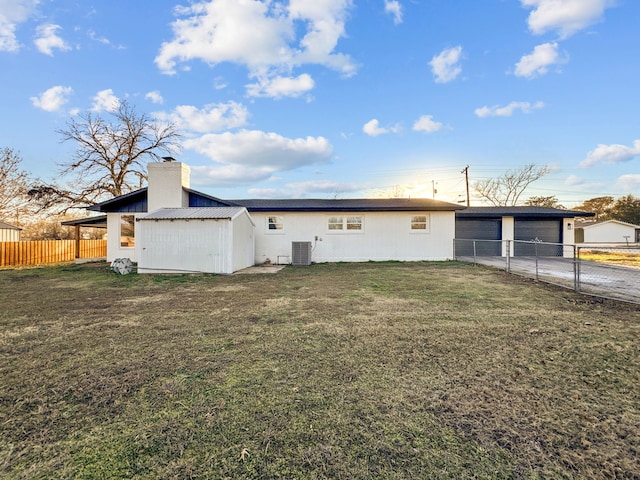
pixel 300 253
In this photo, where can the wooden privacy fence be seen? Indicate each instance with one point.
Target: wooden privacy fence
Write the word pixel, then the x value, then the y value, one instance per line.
pixel 49 251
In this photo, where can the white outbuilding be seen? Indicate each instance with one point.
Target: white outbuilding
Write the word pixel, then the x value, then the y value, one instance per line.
pixel 189 240
pixel 612 231
pixel 9 233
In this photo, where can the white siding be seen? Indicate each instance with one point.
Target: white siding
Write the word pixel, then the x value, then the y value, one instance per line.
pixel 609 232
pixel 185 246
pixel 9 235
pixel 243 242
pixel 385 236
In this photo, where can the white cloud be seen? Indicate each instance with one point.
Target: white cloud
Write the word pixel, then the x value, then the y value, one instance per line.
pixel 629 182
pixel 394 8
pixel 373 128
pixel 104 40
pixel 573 180
pixel 427 124
pixel 263 36
pixel 278 87
pixel 47 39
pixel 155 97
pixel 53 99
pixel 508 110
pixel 538 62
pixel 564 16
pixel 105 100
pixel 611 154
pixel 445 66
pixel 306 189
pixel 213 117
pixel 13 13
pixel 251 155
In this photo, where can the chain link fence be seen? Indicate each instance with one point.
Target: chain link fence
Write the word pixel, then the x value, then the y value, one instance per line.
pixel 610 272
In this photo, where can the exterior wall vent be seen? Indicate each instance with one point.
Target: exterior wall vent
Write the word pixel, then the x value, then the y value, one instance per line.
pixel 301 253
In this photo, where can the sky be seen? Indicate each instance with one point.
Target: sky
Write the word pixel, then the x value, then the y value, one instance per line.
pixel 339 98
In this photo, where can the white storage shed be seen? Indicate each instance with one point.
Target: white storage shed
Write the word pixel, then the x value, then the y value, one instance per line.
pixel 9 233
pixel 195 240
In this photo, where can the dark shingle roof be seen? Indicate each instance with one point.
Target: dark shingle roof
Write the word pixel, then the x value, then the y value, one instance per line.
pixel 520 212
pixel 345 205
pixel 137 201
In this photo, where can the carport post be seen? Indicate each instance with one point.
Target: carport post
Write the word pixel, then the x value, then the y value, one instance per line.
pixel 508 256
pixel 536 250
pixel 475 260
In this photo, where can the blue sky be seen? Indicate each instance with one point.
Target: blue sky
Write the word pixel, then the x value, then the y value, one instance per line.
pixel 338 98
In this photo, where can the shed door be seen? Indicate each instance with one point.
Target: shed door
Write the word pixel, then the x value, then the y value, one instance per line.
pixel 549 231
pixel 478 229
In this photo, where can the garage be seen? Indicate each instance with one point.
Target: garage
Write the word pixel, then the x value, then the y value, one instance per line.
pixel 478 229
pixel 518 224
pixel 535 230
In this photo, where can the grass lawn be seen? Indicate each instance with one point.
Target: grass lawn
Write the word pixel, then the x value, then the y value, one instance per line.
pixel 347 371
pixel 626 259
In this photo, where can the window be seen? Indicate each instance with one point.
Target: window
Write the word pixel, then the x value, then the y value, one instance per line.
pixel 274 223
pixel 420 223
pixel 127 231
pixel 335 223
pixel 351 223
pixel 354 223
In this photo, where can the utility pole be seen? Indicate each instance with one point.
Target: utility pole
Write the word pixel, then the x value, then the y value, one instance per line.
pixel 433 189
pixel 465 170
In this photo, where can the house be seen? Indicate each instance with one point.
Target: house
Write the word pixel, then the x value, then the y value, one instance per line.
pixel 611 231
pixel 522 223
pixel 169 227
pixel 9 233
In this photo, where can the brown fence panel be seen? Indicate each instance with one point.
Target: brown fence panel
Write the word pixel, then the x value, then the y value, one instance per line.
pixel 40 252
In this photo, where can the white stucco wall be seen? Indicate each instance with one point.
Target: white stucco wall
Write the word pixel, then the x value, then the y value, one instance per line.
pixel 609 232
pixel 114 249
pixel 166 182
pixel 385 236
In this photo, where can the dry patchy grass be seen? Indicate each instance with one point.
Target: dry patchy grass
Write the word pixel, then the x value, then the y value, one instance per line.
pixel 621 258
pixel 346 371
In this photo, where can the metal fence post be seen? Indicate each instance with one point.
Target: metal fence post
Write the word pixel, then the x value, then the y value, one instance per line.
pixel 475 260
pixel 536 250
pixel 508 256
pixel 575 269
pixel 578 261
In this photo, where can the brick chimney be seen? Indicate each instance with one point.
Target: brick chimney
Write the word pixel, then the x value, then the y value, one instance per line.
pixel 166 182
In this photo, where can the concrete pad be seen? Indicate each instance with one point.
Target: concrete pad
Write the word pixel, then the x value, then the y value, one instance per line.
pixel 260 269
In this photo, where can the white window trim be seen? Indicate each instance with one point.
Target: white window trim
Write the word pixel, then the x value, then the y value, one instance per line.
pixel 120 231
pixel 274 231
pixel 344 230
pixel 419 231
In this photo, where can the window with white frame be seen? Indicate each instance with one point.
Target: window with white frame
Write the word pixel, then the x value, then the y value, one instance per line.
pixel 127 230
pixel 275 223
pixel 348 223
pixel 420 223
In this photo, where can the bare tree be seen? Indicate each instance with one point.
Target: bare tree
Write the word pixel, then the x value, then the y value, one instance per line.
pixel 110 159
pixel 507 189
pixel 13 186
